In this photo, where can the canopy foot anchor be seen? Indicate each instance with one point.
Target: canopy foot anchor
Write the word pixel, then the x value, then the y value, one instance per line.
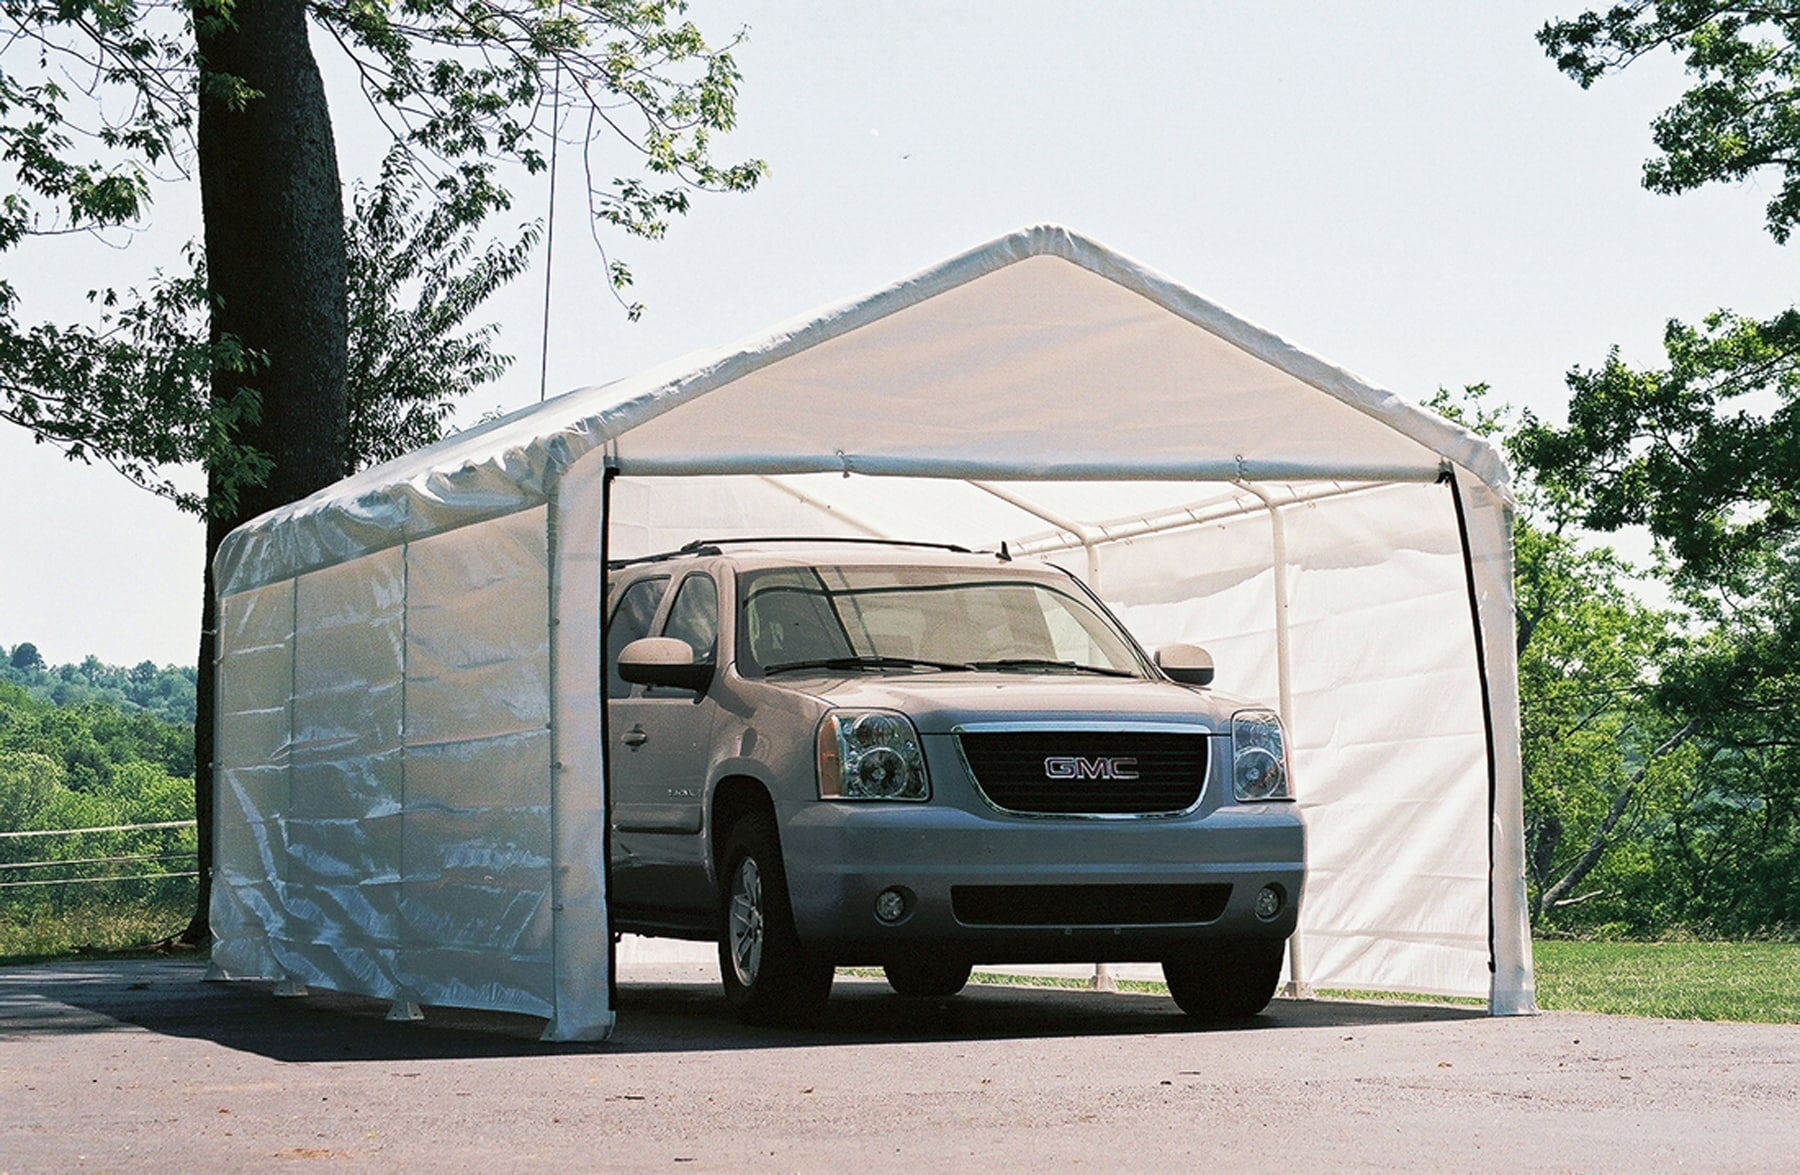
pixel 1102 979
pixel 290 988
pixel 406 1008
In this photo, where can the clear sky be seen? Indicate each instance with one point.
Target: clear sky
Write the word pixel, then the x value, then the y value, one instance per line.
pixel 1408 190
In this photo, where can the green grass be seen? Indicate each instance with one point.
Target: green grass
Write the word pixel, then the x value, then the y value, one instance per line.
pixel 1747 981
pixel 45 934
pixel 1757 982
pixel 1752 982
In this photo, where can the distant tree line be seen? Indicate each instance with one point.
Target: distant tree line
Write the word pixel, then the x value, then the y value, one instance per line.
pixel 163 692
pixel 91 765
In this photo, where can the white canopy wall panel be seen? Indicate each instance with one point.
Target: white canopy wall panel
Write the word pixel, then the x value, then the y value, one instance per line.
pixel 1390 743
pixel 1040 389
pixel 252 784
pixel 385 762
pixel 475 904
pixel 343 816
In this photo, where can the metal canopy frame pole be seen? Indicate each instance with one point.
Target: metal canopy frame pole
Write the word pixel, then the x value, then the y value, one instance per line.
pixel 1297 985
pixel 807 499
pixel 1084 535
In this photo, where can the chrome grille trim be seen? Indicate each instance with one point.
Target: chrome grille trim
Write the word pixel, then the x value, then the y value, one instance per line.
pixel 1038 798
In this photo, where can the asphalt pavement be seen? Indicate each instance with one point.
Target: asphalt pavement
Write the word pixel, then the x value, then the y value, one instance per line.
pixel 138 1065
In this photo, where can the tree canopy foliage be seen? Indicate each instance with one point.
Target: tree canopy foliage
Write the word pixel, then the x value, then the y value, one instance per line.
pixel 1655 800
pixel 98 105
pixel 1736 119
pixel 243 363
pixel 1703 451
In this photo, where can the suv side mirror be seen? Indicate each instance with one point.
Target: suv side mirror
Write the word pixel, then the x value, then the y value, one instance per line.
pixel 1188 664
pixel 663 660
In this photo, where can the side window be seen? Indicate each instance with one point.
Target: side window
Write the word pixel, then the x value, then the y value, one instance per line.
pixel 694 618
pixel 631 618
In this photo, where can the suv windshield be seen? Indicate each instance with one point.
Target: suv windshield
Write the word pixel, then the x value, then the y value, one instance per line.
pixel 923 618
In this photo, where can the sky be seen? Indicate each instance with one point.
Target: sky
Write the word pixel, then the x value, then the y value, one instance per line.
pixel 1410 191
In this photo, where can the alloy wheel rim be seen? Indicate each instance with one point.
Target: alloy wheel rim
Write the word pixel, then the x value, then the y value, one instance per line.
pixel 745 922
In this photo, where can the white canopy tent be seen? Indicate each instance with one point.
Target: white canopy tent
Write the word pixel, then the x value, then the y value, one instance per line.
pixel 410 757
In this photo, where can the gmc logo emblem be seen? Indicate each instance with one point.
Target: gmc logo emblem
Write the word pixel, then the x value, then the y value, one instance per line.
pixel 1075 767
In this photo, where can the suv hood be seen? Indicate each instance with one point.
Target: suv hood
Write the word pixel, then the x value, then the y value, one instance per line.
pixel 939 702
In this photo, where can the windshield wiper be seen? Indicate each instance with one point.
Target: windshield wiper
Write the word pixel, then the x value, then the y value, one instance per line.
pixel 870 662
pixel 1033 663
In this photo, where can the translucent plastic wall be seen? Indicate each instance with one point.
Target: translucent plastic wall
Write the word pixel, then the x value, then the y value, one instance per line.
pixel 410 802
pixel 1385 690
pixel 384 773
pixel 1390 749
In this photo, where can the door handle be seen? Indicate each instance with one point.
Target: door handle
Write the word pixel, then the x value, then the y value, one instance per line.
pixel 636 736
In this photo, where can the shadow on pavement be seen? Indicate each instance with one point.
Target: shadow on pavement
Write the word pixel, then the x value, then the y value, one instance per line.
pixel 656 1015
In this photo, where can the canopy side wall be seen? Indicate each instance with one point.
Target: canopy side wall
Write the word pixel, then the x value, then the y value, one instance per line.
pixel 1390 736
pixel 1386 725
pixel 389 828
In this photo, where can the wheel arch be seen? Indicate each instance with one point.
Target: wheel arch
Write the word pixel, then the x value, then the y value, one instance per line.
pixel 734 797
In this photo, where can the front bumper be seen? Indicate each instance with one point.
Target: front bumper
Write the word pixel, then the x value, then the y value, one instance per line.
pixel 840 856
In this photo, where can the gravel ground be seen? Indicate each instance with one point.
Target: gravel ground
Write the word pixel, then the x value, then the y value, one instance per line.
pixel 137 1065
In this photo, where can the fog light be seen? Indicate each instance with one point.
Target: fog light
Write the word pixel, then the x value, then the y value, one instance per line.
pixel 1268 902
pixel 890 905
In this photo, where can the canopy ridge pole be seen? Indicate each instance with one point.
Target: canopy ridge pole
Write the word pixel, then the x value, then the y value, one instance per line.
pixel 1084 534
pixel 807 499
pixel 1297 986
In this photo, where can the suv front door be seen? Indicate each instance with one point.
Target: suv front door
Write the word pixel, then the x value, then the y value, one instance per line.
pixel 660 738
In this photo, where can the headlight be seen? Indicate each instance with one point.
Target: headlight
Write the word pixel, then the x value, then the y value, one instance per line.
pixel 870 755
pixel 1258 756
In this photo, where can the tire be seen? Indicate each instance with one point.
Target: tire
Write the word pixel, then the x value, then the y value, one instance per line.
pixel 768 978
pixel 928 978
pixel 1226 980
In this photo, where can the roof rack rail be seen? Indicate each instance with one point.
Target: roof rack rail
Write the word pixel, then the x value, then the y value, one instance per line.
pixel 713 546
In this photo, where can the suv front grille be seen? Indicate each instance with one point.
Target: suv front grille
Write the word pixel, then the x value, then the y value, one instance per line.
pixel 1087 905
pixel 1088 772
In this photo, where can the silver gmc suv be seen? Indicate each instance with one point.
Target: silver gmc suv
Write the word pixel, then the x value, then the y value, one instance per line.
pixel 832 752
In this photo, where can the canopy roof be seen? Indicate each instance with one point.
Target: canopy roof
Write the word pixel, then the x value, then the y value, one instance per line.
pixel 1041 356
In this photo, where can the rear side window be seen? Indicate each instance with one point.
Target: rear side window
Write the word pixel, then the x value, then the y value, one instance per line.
pixel 631 618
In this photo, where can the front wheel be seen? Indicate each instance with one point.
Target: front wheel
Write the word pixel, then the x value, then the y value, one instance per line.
pixel 1225 980
pixel 768 978
pixel 927 978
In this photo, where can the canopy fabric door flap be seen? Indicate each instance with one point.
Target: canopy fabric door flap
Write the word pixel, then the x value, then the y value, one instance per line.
pixel 410 766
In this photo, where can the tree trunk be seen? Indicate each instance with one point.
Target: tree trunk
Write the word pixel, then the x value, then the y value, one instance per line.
pixel 1557 895
pixel 274 214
